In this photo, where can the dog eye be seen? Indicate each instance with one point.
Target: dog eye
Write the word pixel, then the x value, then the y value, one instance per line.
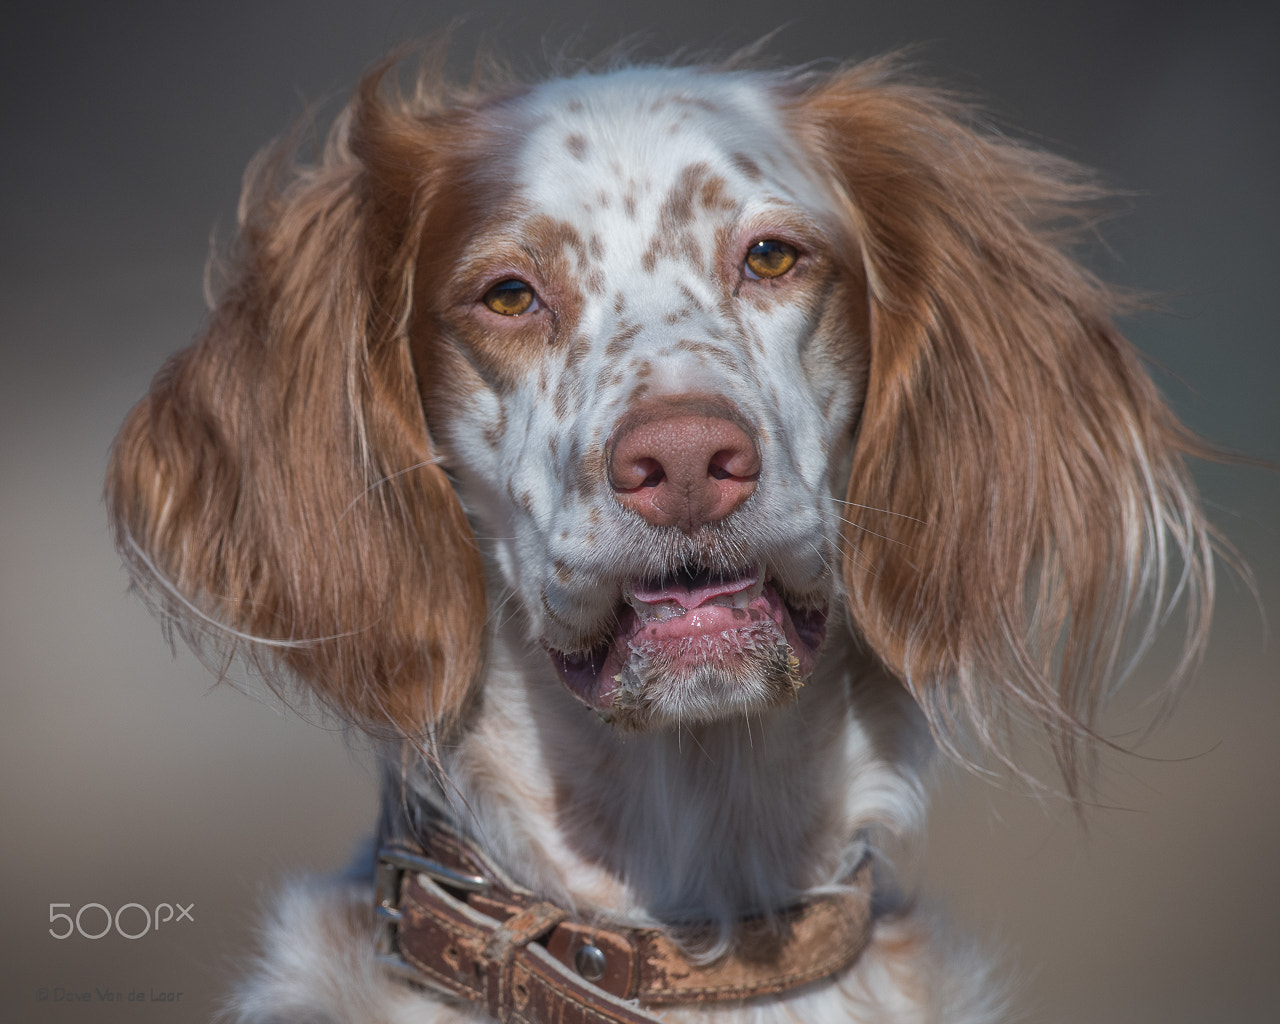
pixel 510 297
pixel 770 258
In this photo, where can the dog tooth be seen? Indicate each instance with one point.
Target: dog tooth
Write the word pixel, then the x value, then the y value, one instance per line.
pixel 657 611
pixel 743 598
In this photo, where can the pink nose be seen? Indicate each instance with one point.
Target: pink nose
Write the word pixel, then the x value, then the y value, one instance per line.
pixel 683 462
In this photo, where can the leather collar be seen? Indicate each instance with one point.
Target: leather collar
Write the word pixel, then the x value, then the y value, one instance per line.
pixel 450 920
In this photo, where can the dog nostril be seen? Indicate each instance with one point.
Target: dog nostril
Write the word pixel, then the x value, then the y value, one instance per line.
pixel 635 473
pixel 653 472
pixel 724 465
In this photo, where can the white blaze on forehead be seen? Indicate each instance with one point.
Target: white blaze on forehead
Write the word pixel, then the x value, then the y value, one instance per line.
pixel 630 134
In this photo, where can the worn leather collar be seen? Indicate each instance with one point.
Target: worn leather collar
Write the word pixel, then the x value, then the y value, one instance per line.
pixel 450 920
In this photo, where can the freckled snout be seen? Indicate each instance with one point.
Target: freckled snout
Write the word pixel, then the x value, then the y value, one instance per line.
pixel 684 461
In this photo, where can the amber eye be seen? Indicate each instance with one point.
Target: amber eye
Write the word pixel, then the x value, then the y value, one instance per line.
pixel 510 297
pixel 770 258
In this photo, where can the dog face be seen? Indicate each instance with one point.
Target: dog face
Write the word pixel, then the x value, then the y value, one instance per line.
pixel 642 369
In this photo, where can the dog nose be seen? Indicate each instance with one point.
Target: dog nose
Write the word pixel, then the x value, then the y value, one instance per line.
pixel 683 462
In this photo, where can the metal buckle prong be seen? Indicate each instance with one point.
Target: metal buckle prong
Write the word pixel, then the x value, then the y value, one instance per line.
pixel 391 867
pixel 411 862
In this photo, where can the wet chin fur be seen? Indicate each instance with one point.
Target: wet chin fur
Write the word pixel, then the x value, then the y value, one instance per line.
pixel 696 681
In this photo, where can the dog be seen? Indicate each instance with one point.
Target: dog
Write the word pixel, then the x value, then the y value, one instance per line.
pixel 659 462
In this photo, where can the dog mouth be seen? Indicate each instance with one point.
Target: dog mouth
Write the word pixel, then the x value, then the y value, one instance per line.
pixel 695 645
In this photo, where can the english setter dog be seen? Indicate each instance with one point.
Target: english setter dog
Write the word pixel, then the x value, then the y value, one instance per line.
pixel 659 462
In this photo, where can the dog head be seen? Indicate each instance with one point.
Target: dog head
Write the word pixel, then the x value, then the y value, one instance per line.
pixel 683 368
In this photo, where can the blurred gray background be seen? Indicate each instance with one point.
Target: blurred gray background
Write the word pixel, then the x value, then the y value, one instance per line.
pixel 128 778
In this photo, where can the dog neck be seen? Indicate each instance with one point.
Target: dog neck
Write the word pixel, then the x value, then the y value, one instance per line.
pixel 698 824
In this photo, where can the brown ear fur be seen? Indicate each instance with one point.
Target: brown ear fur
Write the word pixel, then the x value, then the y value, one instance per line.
pixel 276 490
pixel 1018 497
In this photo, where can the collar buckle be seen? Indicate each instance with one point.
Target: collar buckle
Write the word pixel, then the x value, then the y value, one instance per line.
pixel 391 867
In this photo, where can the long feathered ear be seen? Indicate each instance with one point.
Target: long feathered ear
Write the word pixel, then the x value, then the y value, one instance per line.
pixel 277 490
pixel 1020 515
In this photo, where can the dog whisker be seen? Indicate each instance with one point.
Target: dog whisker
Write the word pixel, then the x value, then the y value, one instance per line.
pixel 885 511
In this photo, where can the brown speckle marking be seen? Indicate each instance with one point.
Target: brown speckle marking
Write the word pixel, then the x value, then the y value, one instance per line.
pixel 689 297
pixel 725 240
pixel 621 339
pixel 698 103
pixel 497 430
pixel 526 501
pixel 589 471
pixel 677 207
pixel 563 398
pixel 609 379
pixel 578 483
pixel 593 516
pixel 640 392
pixel 691 251
pixel 563 571
pixel 681 246
pixel 619 303
pixel 577 146
pixel 549 235
pixel 577 350
pixel 714 194
pixel 747 166
pixel 697 185
pixel 702 348
pixel 684 100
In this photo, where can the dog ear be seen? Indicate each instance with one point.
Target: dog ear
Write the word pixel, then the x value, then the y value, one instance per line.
pixel 277 490
pixel 1020 515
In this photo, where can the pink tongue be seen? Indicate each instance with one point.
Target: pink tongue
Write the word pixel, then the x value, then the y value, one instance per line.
pixel 693 597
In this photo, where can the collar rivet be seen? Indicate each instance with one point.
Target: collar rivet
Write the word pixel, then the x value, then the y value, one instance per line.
pixel 590 962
